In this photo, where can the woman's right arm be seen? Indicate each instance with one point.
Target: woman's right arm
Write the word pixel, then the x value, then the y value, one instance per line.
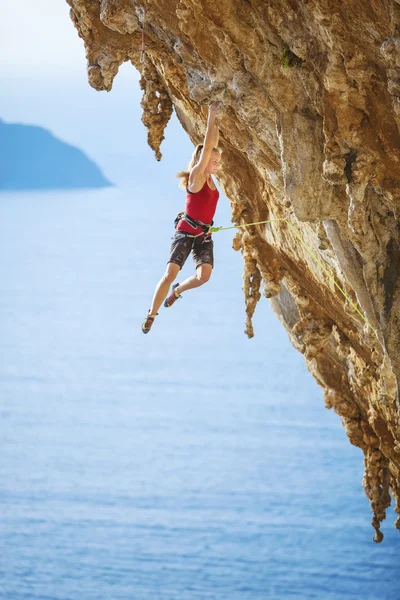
pixel 210 140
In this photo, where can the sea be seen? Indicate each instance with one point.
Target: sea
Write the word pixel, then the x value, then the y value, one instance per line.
pixel 190 463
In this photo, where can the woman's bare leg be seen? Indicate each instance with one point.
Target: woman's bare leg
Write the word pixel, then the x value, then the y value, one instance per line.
pixel 203 274
pixel 163 286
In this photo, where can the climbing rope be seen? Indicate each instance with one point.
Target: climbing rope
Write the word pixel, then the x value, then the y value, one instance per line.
pixel 312 254
pixel 142 51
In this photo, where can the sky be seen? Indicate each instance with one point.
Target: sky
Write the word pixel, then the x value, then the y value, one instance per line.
pixel 43 81
pixel 40 40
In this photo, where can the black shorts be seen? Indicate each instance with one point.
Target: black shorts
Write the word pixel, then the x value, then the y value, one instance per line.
pixel 202 249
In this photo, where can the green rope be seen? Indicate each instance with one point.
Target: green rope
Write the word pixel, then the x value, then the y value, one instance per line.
pixel 216 229
pixel 312 254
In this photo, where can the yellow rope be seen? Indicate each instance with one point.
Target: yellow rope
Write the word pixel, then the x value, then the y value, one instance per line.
pixel 216 229
pixel 312 254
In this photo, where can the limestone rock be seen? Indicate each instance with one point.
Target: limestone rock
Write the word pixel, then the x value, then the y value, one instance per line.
pixel 309 124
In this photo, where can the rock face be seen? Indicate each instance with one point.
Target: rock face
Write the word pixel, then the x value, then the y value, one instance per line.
pixel 309 123
pixel 31 158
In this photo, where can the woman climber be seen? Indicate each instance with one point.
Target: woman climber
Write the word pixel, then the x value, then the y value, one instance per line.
pixel 192 233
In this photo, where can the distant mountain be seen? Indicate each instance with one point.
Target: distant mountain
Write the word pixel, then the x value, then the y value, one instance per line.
pixel 31 158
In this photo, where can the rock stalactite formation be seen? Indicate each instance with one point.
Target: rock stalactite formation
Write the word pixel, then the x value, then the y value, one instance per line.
pixel 310 93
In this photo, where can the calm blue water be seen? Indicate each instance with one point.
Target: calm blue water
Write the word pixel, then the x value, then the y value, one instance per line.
pixel 189 463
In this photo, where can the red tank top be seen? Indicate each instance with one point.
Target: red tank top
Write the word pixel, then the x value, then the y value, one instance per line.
pixel 200 206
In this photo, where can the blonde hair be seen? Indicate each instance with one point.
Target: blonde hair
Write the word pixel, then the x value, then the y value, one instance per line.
pixel 184 175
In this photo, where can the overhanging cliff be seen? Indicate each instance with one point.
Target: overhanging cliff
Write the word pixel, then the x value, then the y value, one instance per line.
pixel 309 123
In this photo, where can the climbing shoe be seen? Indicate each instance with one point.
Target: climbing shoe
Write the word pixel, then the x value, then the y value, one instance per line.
pixel 148 322
pixel 172 297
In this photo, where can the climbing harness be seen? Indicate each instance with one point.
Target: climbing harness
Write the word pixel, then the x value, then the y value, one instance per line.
pixel 312 254
pixel 142 51
pixel 206 227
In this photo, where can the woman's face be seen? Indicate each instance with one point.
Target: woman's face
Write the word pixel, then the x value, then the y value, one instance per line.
pixel 214 163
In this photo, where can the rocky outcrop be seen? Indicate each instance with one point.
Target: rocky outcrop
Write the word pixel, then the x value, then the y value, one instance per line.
pixel 310 94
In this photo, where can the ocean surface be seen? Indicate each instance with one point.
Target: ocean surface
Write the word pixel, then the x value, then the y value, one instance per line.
pixel 189 463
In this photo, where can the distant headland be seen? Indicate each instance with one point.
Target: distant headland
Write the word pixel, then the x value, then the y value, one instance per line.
pixel 31 158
